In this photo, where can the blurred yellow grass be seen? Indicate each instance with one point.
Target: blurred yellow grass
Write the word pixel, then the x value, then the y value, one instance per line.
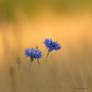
pixel 67 69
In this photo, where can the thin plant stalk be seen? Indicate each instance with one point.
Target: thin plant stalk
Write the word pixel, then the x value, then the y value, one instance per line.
pixel 45 72
pixel 47 56
pixel 31 61
pixel 38 61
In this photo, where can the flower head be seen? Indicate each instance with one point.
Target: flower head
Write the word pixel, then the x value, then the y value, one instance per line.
pixel 37 54
pixel 33 53
pixel 30 52
pixel 52 45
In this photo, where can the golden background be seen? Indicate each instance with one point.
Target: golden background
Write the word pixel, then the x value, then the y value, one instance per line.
pixel 66 70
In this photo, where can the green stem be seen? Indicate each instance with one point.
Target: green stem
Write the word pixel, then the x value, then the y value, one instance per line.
pixel 38 61
pixel 47 56
pixel 31 60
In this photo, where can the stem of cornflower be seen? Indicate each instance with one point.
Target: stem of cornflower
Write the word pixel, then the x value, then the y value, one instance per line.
pixel 47 56
pixel 38 61
pixel 31 60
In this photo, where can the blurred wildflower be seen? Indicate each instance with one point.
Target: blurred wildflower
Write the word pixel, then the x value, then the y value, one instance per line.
pixel 30 52
pixel 33 54
pixel 51 45
pixel 37 55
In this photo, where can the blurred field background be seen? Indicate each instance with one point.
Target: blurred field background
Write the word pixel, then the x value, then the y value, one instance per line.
pixel 25 24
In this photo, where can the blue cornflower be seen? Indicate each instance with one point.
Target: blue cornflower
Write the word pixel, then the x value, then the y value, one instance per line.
pixel 52 45
pixel 37 54
pixel 30 52
pixel 33 54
